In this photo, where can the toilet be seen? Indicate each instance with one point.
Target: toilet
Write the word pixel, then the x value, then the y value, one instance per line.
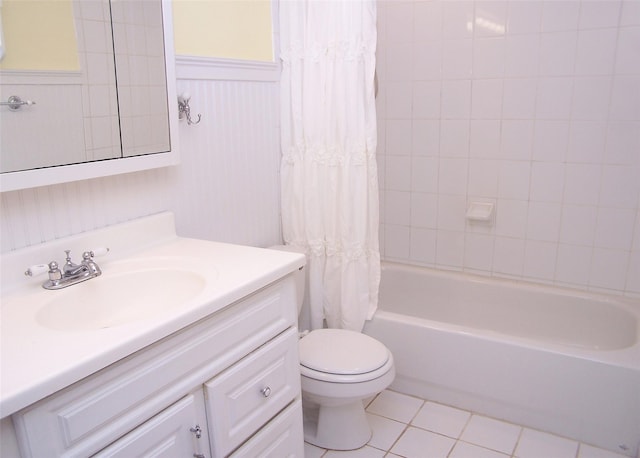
pixel 339 369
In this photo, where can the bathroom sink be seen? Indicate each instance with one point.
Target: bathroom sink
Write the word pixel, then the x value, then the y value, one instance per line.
pixel 116 299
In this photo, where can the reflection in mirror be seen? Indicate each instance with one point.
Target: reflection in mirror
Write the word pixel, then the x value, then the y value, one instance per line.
pixel 59 54
pixel 140 68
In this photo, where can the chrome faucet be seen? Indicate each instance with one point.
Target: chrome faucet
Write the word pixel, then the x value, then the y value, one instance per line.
pixel 71 273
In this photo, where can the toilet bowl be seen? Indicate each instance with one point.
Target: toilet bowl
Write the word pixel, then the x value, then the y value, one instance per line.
pixel 339 369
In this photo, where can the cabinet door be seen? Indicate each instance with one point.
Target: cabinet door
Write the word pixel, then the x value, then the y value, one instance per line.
pixel 178 431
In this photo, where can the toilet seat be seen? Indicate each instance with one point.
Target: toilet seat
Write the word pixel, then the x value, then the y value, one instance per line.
pixel 342 356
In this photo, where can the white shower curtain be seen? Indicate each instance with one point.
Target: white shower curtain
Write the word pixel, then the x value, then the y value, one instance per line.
pixel 328 171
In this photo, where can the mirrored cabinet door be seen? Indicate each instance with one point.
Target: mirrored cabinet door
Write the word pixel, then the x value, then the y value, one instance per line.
pixel 96 71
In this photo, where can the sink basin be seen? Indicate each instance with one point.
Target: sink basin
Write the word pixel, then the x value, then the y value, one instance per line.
pixel 117 299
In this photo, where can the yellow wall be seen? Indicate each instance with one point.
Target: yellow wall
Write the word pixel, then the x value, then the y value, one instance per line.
pixel 39 35
pixel 238 29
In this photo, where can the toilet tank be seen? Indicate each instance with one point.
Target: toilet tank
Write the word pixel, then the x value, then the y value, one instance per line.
pixel 299 275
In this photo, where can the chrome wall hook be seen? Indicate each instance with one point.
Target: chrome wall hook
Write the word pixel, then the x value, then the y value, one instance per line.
pixel 184 110
pixel 15 103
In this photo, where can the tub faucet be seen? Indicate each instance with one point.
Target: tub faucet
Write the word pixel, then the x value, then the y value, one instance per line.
pixel 71 273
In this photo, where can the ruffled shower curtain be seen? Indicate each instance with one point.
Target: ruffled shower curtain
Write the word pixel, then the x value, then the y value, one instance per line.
pixel 328 170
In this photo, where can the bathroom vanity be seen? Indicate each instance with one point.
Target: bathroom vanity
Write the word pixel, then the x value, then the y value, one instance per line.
pixel 214 376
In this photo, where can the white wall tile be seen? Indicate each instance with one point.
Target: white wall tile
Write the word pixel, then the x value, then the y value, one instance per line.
pixel 560 15
pixel 457 57
pixel 508 256
pixel 478 252
pixel 484 139
pixel 591 98
pixel 398 173
pixel 453 176
pixel 524 17
pixel 427 21
pixel 424 174
pixel 423 245
pixel 522 53
pixel 550 141
pixel 397 208
pixel 397 241
pixel 625 99
pixel 426 99
pixel 513 180
pixel 519 98
pixel 488 57
pixel 399 100
pixel 516 140
pixel 450 249
pixel 543 221
pixel 490 18
pixel 553 98
pixel 596 52
pixel 557 53
pixel 586 142
pixel 427 60
pixel 628 52
pixel 608 268
pixel 400 58
pixel 456 99
pixel 483 177
pixel 451 212
pixel 511 218
pixel 573 264
pixel 540 259
pixel 599 13
pixel 398 137
pixel 424 210
pixel 622 143
pixel 582 184
pixel 614 228
pixel 457 19
pixel 486 99
pixel 630 14
pixel 454 138
pixel 578 225
pixel 547 182
pixel 425 137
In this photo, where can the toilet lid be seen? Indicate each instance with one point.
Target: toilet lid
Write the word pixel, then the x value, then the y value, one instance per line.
pixel 339 351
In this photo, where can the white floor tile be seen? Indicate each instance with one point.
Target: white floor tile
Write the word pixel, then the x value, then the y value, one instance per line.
pixel 385 431
pixel 418 443
pixel 464 450
pixel 311 451
pixel 441 419
pixel 396 406
pixel 493 434
pixel 588 451
pixel 534 444
pixel 364 452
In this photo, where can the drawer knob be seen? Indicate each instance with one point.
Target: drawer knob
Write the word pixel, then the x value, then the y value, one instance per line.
pixel 266 391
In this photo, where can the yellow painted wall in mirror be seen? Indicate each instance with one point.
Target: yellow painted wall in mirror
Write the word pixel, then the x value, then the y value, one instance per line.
pixel 39 35
pixel 235 29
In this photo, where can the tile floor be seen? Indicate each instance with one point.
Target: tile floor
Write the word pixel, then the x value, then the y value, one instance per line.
pixel 405 426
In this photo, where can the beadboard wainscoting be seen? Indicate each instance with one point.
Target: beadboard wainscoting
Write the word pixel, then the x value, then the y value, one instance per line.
pixel 225 188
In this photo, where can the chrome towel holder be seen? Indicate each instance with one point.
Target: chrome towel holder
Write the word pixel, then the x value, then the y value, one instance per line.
pixel 184 110
pixel 14 103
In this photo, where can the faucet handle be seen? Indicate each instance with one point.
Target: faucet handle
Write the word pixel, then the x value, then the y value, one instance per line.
pixel 97 252
pixel 36 269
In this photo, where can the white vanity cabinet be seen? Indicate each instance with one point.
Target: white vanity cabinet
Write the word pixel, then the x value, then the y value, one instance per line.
pixel 227 385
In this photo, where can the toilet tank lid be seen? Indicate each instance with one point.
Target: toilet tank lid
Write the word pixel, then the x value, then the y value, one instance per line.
pixel 339 351
pixel 291 248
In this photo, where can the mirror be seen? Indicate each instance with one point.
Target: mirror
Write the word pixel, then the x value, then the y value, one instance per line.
pixel 101 76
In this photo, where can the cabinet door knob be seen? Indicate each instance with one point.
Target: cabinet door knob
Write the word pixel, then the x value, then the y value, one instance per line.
pixel 266 391
pixel 197 431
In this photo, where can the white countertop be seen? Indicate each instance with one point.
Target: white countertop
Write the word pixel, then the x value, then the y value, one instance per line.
pixel 38 361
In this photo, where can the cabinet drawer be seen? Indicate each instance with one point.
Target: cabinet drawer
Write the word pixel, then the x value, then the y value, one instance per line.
pixel 87 416
pixel 280 438
pixel 249 394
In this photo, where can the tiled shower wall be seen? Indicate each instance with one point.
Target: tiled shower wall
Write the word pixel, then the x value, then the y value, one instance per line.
pixel 531 105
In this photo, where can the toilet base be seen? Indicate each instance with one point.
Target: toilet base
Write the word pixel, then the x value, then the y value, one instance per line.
pixel 336 427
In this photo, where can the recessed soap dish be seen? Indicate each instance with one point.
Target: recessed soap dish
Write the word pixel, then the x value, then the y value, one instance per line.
pixel 480 211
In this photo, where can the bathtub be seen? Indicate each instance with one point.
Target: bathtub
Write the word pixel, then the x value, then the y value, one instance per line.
pixel 552 359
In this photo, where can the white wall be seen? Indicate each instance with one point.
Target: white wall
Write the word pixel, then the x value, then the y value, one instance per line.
pixel 532 105
pixel 226 187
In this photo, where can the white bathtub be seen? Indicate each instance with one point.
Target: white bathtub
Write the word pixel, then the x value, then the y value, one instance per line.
pixel 553 359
